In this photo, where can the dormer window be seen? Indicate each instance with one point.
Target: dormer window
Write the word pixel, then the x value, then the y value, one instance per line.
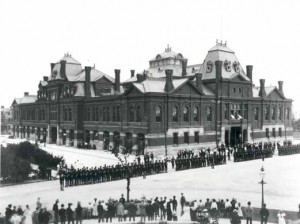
pixel 179 56
pixel 158 57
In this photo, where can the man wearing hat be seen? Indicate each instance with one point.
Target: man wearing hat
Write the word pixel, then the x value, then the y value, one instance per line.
pixel 264 214
pixel 62 214
pixel 55 211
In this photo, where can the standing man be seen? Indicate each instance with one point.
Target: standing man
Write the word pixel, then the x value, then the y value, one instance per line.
pixel 70 214
pixel 264 214
pixel 38 203
pixel 62 214
pixel 174 202
pixel 169 210
pixel 249 213
pixel 182 203
pixel 55 211
pixel 62 180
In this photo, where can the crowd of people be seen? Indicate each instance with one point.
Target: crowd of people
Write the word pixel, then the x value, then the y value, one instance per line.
pixel 249 151
pixel 145 209
pixel 288 149
pixel 188 159
pixel 85 175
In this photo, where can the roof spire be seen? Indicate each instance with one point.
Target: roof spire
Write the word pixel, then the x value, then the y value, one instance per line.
pixel 168 48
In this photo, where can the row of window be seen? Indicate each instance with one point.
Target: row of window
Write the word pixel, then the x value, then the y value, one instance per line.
pixel 186 138
pixel 273 132
pixel 273 113
pixel 33 114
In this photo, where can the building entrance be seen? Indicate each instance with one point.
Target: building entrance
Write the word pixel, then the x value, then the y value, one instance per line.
pixel 235 136
pixel 54 134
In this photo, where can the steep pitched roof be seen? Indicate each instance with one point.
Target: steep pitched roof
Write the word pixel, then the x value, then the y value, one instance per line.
pixel 28 99
pixel 95 75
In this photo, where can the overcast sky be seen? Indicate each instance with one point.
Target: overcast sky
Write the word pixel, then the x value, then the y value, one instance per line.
pixel 127 34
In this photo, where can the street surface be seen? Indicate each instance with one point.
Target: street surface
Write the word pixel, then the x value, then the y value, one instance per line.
pixel 233 180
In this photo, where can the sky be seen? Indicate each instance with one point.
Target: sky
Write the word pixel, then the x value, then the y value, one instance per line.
pixel 126 34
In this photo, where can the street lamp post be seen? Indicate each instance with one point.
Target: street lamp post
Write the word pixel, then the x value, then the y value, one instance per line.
pixel 262 182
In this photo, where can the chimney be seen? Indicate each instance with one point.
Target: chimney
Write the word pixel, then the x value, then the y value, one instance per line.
pixel 199 81
pixel 45 78
pixel 169 80
pixel 2 107
pixel 52 66
pixel 249 71
pixel 26 93
pixel 87 84
pixel 140 77
pixel 117 80
pixel 132 73
pixel 262 91
pixel 184 64
pixel 62 69
pixel 280 83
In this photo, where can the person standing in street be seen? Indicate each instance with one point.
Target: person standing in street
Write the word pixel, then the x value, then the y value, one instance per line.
pixel 182 203
pixel 174 202
pixel 70 214
pixel 55 211
pixel 249 213
pixel 78 211
pixel 62 214
pixel 264 214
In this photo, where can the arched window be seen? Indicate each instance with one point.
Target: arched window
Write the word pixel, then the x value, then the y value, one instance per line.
pixel 196 114
pixel 256 114
pixel 273 113
pixel 88 114
pixel 104 113
pixel 175 114
pixel 114 114
pixel 94 114
pixel 70 114
pixel 280 113
pixel 209 114
pixel 118 113
pixel 186 114
pixel 267 113
pixel 131 114
pixel 97 113
pixel 107 114
pixel 288 113
pixel 138 114
pixel 158 114
pixel 65 114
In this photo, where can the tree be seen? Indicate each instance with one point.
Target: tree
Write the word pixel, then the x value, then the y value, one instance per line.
pixel 123 158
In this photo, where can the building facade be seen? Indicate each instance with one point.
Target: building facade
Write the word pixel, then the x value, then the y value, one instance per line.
pixel 169 106
pixel 6 116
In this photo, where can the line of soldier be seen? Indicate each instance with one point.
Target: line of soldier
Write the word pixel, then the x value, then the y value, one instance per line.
pixel 74 177
pixel 288 149
pixel 187 159
pixel 249 151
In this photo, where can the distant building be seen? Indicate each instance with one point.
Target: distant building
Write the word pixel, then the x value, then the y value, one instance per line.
pixel 6 115
pixel 168 107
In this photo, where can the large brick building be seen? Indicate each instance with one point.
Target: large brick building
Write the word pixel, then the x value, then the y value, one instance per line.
pixel 170 106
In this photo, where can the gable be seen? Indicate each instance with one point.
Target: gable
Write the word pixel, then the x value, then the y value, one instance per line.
pixel 103 80
pixel 275 95
pixel 133 91
pixel 187 89
pixel 238 78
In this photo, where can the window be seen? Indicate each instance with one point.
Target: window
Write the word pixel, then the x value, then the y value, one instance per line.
pixel 226 112
pixel 65 114
pixel 186 114
pixel 175 138
pixel 273 132
pixel 118 113
pixel 97 113
pixel 186 137
pixel 196 114
pixel 234 90
pixel 209 114
pixel 280 132
pixel 240 90
pixel 158 114
pixel 267 113
pixel 197 140
pixel 175 114
pixel 104 113
pixel 88 114
pixel 280 113
pixel 107 114
pixel 94 114
pixel 246 111
pixel 288 113
pixel 70 114
pixel 256 114
pixel 131 114
pixel 273 113
pixel 267 133
pixel 138 114
pixel 114 114
pixel 235 111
